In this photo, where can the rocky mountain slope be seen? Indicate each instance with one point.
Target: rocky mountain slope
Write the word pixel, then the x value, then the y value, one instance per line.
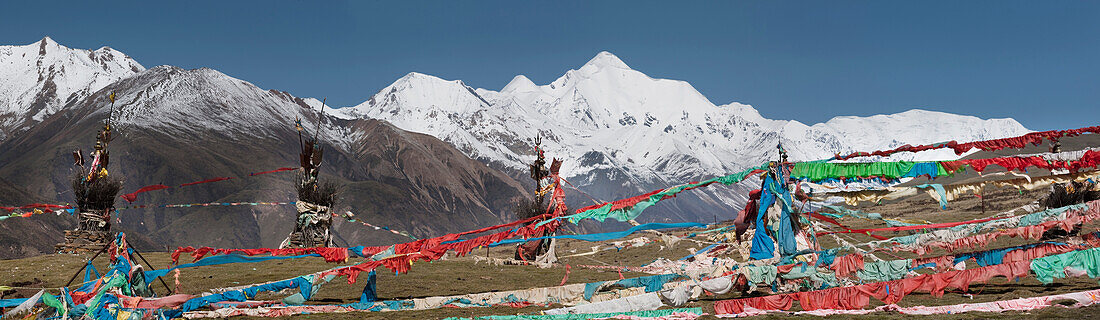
pixel 175 126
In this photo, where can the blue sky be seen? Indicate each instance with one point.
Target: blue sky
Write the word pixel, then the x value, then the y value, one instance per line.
pixel 809 61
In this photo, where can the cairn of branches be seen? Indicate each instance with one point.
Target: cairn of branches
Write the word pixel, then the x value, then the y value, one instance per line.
pixel 323 194
pixel 98 195
pixel 528 208
pixel 1063 195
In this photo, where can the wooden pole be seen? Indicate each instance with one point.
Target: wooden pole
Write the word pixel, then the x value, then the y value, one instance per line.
pixel 151 265
pixel 86 265
pixel 320 115
pixel 983 200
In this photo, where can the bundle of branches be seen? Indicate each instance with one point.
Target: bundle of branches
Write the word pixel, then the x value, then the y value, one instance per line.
pixel 323 194
pixel 98 195
pixel 527 208
pixel 1063 195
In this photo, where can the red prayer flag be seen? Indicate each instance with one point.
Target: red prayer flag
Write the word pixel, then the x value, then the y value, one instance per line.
pixel 206 181
pixel 130 197
pixel 272 171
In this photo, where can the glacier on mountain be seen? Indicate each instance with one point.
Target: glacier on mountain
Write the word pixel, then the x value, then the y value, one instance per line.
pixel 606 114
pixel 623 132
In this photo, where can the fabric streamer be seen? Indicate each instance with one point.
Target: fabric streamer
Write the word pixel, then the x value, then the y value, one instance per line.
pixel 271 171
pixel 971 235
pixel 300 283
pixel 1050 267
pixel 608 235
pixel 31 213
pixel 701 251
pixel 340 254
pixel 945 193
pixel 650 283
pixel 8 303
pixel 1083 298
pixel 131 197
pixel 218 260
pixel 890 292
pixel 209 204
pixel 763 246
pixel 818 171
pixel 330 254
pixel 857 297
pixel 914 227
pixel 350 217
pixel 630 208
pixel 669 314
pixel 572 294
pixel 45 207
pixel 206 181
pixel 842 212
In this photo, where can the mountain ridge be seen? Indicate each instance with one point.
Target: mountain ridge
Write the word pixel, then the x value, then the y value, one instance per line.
pixel 175 125
pixel 42 77
pixel 623 132
pixel 407 154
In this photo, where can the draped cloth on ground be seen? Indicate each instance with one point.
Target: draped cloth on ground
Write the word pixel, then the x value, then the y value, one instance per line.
pixel 663 314
pixel 945 193
pixel 650 283
pixel 975 234
pixel 648 301
pixel 988 145
pixel 1082 299
pixel 1048 268
pixel 857 297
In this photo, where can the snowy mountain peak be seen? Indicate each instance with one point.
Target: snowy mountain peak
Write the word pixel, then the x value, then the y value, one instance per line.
pixel 606 93
pixel 520 84
pixel 38 79
pixel 192 104
pixel 417 76
pixel 45 43
pixel 417 93
pixel 606 59
pixel 621 132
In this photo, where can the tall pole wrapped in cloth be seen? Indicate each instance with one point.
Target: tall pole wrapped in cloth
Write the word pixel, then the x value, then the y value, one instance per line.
pixel 95 192
pixel 313 225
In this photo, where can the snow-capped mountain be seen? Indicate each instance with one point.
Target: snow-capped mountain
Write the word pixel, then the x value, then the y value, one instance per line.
pixel 38 79
pixel 622 132
pixel 619 131
pixel 174 125
pixel 192 103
